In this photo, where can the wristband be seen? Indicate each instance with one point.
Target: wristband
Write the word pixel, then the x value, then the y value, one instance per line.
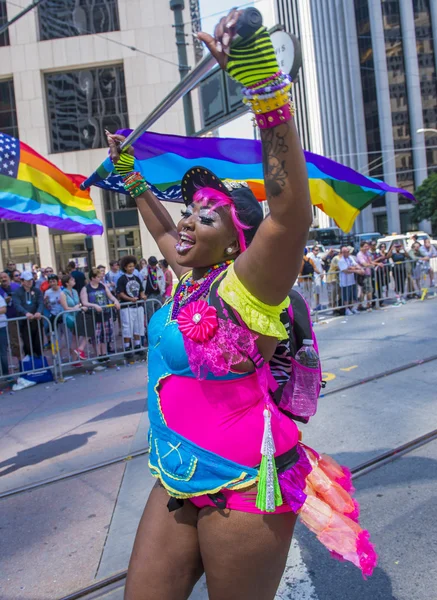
pixel 275 117
pixel 125 164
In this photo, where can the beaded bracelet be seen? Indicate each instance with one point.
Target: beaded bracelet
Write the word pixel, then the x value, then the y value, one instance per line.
pixel 274 86
pixel 266 80
pixel 135 184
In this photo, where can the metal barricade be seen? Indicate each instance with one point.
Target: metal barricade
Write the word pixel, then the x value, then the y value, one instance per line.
pixel 88 334
pixel 28 341
pixel 390 283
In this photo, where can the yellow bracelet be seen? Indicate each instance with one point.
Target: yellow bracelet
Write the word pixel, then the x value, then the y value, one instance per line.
pixel 258 104
pixel 275 104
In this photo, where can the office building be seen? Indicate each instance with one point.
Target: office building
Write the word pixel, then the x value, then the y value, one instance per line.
pixel 368 86
pixel 67 72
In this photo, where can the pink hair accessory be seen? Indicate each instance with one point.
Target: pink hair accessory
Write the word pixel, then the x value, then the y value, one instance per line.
pixel 275 117
pixel 198 321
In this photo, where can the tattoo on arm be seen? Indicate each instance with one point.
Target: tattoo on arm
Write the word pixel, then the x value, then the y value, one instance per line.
pixel 274 152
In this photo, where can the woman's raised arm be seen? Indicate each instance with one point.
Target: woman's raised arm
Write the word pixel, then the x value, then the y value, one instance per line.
pixel 271 264
pixel 154 214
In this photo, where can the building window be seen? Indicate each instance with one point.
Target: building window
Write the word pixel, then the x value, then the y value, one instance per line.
pixel 68 247
pixel 4 37
pixel 19 244
pixel 8 112
pixel 68 18
pixel 427 73
pixel 122 225
pixel 82 104
pixel 399 96
pixel 381 223
pixel 370 100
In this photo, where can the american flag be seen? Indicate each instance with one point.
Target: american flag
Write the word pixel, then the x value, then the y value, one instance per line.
pixel 114 183
pixel 9 155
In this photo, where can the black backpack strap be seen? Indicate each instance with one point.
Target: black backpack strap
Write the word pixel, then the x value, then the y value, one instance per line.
pixel 302 327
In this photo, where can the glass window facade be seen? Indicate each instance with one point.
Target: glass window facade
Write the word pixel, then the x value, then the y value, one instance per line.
pixel 8 112
pixel 69 246
pixel 122 225
pixel 4 37
pixel 82 104
pixel 427 74
pixel 370 99
pixel 398 96
pixel 67 18
pixel 19 244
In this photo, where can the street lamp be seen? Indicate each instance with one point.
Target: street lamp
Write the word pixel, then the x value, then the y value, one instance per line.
pixel 426 131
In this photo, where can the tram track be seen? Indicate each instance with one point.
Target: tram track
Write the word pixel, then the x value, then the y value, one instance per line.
pixel 105 586
pixel 143 451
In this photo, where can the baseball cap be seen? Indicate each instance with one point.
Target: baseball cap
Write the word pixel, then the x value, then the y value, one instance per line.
pixel 153 261
pixel 249 210
pixel 27 276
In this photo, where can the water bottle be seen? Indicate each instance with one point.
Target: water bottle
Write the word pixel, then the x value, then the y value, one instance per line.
pixel 306 383
pixel 307 356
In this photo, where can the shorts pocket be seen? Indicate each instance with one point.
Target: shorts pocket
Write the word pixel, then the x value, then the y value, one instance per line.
pixel 174 460
pixel 301 392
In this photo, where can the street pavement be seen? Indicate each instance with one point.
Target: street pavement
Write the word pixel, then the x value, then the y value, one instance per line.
pixel 61 537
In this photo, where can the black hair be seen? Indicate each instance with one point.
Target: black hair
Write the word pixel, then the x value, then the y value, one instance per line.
pixel 127 260
pixel 164 263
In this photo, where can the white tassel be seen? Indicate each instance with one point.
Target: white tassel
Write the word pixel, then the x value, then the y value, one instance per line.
pixel 268 450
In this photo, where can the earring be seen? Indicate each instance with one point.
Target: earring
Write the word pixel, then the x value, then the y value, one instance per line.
pixel 229 250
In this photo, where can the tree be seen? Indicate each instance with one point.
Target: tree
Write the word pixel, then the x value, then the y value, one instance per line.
pixel 426 207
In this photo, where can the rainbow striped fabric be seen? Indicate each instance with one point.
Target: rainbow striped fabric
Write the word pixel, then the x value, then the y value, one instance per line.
pixel 33 190
pixel 336 189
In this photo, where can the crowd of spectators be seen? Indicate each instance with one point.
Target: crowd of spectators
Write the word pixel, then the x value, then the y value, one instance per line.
pixel 359 280
pixel 93 306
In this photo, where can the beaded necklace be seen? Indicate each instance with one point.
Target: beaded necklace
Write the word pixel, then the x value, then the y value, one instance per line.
pixel 191 291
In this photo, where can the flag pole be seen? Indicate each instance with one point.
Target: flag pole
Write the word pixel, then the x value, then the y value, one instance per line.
pixel 248 23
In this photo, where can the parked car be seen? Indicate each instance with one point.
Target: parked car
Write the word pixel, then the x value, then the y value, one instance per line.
pixel 389 240
pixel 364 237
pixel 421 237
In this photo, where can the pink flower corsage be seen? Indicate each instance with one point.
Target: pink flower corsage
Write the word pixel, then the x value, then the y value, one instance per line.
pixel 198 321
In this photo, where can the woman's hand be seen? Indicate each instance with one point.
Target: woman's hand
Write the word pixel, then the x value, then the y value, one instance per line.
pixel 98 308
pixel 114 142
pixel 117 304
pixel 224 33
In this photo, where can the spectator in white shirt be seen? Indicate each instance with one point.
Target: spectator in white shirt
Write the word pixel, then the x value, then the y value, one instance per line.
pixel 428 251
pixel 348 269
pixel 319 275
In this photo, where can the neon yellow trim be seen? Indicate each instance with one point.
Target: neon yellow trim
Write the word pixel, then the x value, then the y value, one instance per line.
pixel 191 467
pixel 155 389
pixel 259 317
pixel 176 494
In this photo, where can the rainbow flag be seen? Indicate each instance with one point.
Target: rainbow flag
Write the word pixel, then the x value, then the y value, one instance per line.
pixel 33 190
pixel 337 190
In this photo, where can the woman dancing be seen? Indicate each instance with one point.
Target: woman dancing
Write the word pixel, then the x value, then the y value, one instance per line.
pixel 220 506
